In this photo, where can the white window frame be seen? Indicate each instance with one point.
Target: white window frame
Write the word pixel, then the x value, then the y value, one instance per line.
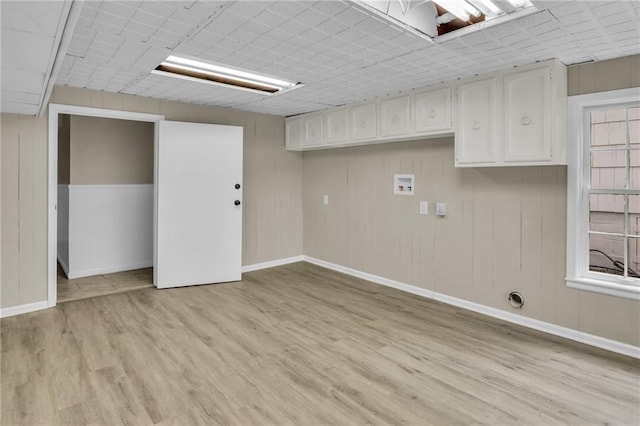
pixel 578 175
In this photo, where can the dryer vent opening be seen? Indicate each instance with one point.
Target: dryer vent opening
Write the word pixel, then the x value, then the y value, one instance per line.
pixel 516 299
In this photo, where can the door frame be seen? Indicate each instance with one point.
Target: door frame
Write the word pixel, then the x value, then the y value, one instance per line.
pixel 52 233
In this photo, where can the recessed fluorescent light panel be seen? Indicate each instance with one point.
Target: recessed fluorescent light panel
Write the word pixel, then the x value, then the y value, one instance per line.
pixel 436 18
pixel 219 75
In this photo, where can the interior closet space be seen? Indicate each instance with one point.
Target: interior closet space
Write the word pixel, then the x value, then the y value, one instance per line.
pixel 105 206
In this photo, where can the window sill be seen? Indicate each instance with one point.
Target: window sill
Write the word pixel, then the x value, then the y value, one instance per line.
pixel 605 287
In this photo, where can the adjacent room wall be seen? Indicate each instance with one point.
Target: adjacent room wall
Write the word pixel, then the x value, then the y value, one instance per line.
pixel 108 151
pixel 272 215
pixel 505 228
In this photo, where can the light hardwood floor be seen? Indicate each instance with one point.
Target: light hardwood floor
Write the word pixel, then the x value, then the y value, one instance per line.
pixel 299 344
pixel 100 285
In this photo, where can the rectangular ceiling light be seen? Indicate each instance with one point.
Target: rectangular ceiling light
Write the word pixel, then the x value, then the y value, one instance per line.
pixel 460 8
pixel 205 72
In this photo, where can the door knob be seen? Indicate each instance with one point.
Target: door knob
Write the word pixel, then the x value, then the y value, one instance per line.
pixel 236 202
pixel 237 186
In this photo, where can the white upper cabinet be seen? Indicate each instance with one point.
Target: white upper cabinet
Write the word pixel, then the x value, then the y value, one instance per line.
pixel 519 119
pixel 395 116
pixel 336 125
pixel 476 136
pixel 432 110
pixel 312 131
pixel 293 133
pixel 514 117
pixel 363 122
pixel 527 116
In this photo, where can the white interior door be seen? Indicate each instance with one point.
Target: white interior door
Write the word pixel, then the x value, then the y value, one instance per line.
pixel 198 217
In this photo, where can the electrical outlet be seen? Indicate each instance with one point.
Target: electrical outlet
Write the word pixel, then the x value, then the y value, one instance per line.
pixel 325 200
pixel 424 207
pixel 441 209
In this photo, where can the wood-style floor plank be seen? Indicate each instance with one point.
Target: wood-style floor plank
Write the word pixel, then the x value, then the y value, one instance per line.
pixel 299 344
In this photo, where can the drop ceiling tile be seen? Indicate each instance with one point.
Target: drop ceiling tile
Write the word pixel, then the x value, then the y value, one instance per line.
pixel 18 108
pixel 25 51
pixel 8 95
pixel 40 19
pixel 268 17
pixel 22 80
pixel 287 8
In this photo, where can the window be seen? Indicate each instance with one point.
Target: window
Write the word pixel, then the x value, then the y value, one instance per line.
pixel 603 193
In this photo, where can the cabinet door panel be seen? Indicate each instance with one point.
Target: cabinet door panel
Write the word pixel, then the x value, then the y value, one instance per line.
pixel 336 126
pixel 363 122
pixel 293 131
pixel 312 131
pixel 395 116
pixel 476 134
pixel 527 116
pixel 432 110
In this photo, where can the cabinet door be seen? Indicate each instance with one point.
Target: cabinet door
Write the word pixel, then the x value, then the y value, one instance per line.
pixel 527 114
pixel 312 131
pixel 363 122
pixel 432 110
pixel 395 116
pixel 293 133
pixel 476 134
pixel 336 126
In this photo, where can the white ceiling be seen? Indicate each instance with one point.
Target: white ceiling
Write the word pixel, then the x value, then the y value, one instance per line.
pixel 340 52
pixel 29 39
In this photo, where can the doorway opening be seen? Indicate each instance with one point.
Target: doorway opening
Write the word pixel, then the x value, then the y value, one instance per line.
pixel 101 209
pixel 105 206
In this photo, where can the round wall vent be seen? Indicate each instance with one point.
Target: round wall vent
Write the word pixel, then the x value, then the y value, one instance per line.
pixel 516 299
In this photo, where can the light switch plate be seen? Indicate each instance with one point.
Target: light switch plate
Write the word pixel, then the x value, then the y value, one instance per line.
pixel 424 207
pixel 441 209
pixel 325 200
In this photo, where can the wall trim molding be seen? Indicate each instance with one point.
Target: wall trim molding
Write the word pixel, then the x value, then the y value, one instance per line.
pixel 272 263
pixel 568 333
pixel 23 309
pixel 110 269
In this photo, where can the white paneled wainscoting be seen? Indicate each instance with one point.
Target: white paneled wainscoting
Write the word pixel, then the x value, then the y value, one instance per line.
pixel 110 228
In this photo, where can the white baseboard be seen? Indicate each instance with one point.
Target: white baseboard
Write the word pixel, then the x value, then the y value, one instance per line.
pixel 272 263
pixel 23 309
pixel 110 269
pixel 568 333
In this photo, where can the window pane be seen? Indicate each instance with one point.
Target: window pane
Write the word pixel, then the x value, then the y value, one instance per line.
pixel 634 161
pixel 634 257
pixel 634 215
pixel 634 127
pixel 609 128
pixel 608 169
pixel 606 254
pixel 606 213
